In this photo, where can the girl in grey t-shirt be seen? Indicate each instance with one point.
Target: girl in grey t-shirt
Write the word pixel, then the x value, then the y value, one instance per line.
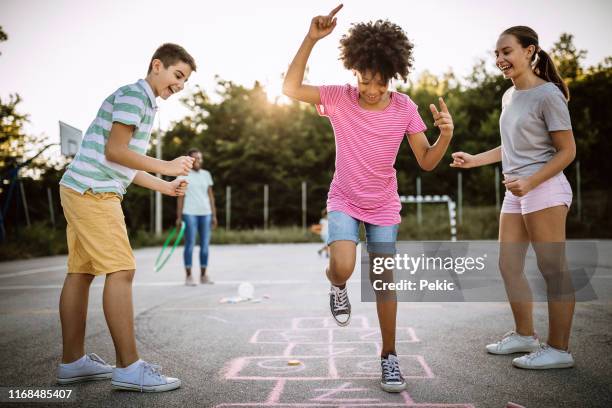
pixel 537 143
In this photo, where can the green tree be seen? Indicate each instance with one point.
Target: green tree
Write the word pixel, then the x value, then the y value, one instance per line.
pixel 567 57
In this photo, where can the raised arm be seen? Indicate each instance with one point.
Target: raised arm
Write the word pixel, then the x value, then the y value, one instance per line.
pixel 293 86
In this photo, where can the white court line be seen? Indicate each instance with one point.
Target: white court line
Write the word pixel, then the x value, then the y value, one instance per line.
pixel 33 271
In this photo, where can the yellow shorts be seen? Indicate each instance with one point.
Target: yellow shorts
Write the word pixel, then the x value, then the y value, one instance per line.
pixel 97 237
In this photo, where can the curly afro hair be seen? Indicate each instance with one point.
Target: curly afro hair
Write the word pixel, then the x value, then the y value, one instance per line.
pixel 380 47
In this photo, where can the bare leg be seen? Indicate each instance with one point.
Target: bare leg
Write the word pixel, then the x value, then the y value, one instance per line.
pixel 73 315
pixel 386 308
pixel 514 242
pixel 188 271
pixel 119 313
pixel 341 262
pixel 547 232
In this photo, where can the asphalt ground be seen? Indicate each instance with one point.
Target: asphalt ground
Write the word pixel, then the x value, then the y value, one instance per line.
pixel 236 355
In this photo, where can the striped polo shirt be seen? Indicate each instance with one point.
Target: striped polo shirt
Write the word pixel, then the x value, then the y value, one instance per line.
pixel 132 105
pixel 365 184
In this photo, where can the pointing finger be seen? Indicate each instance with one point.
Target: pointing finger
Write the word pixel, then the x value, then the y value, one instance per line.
pixel 334 11
pixel 443 106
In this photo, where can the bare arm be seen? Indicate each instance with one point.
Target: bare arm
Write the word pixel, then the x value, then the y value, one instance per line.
pixel 172 188
pixel 117 151
pixel 180 201
pixel 564 142
pixel 428 156
pixel 465 160
pixel 211 197
pixel 293 86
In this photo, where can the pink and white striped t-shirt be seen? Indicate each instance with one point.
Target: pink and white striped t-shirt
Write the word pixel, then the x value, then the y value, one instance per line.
pixel 365 184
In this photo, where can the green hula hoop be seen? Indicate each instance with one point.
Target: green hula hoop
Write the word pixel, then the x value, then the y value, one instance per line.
pixel 159 265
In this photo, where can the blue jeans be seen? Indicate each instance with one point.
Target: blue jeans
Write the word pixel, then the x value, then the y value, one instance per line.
pixel 379 239
pixel 201 224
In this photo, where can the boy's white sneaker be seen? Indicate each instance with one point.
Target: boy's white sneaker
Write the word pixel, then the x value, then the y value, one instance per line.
pixel 90 367
pixel 144 377
pixel 512 342
pixel 544 358
pixel 189 281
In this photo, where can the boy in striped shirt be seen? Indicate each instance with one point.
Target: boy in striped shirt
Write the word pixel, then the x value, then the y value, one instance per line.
pixel 110 158
pixel 369 122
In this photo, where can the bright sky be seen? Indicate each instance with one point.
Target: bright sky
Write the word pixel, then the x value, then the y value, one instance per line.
pixel 65 56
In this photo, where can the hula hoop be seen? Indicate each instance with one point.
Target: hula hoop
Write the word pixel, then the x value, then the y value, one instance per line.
pixel 158 265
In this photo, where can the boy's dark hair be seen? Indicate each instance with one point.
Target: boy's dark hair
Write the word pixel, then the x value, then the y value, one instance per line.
pixel 193 150
pixel 170 54
pixel 380 47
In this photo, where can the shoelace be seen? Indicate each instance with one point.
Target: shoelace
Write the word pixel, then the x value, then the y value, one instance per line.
pixel 96 359
pixel 506 337
pixel 154 369
pixel 340 299
pixel 542 350
pixel 391 370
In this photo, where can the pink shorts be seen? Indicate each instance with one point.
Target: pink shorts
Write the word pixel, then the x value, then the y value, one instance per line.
pixel 551 193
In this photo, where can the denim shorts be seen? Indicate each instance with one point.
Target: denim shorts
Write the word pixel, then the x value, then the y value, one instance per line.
pixel 379 239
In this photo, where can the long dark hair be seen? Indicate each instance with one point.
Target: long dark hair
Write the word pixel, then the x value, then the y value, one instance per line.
pixel 544 65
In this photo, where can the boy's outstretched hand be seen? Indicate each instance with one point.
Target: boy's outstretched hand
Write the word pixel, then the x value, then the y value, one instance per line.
pixel 179 166
pixel 442 119
pixel 176 188
pixel 321 26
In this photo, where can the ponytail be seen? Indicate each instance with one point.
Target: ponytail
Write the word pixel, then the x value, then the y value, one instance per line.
pixel 544 67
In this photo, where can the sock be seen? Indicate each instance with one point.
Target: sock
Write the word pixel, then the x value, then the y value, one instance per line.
pixel 74 364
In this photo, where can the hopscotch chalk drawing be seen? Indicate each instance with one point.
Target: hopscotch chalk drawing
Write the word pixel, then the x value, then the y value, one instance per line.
pixel 333 359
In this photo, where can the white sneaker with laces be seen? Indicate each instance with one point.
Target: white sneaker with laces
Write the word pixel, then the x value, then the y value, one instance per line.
pixel 544 358
pixel 90 367
pixel 144 377
pixel 392 379
pixel 512 342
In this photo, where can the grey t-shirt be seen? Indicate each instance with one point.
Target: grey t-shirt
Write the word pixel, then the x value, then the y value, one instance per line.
pixel 527 117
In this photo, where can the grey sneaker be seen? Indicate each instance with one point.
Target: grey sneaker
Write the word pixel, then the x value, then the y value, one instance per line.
pixel 144 377
pixel 91 368
pixel 189 281
pixel 392 379
pixel 339 305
